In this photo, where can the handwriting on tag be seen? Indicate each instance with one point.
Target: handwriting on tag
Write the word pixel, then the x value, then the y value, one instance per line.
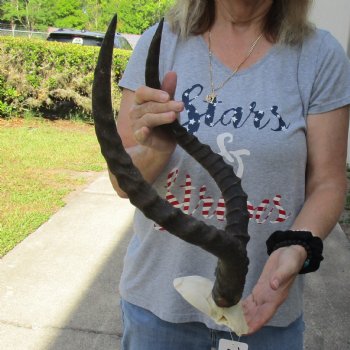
pixel 225 344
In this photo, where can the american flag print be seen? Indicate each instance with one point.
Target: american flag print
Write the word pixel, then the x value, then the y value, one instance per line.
pixel 192 198
pixel 196 200
pixel 235 116
pixel 282 126
pixel 263 211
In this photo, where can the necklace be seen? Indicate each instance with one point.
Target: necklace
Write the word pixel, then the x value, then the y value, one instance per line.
pixel 211 97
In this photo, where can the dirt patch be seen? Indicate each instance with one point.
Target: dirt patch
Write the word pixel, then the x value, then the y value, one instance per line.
pixel 33 123
pixel 11 123
pixel 88 176
pixel 71 125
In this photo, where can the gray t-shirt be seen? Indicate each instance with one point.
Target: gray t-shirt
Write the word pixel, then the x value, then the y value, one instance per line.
pixel 258 125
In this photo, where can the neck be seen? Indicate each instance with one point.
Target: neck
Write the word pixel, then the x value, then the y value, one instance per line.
pixel 241 15
pixel 239 23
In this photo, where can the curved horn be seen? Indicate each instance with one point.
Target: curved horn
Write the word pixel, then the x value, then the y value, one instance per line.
pixel 228 245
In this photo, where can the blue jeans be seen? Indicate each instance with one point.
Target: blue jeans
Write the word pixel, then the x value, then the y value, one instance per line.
pixel 145 331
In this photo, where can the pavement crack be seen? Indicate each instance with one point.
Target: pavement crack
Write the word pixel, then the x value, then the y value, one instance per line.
pixel 66 328
pixel 16 324
pixel 89 331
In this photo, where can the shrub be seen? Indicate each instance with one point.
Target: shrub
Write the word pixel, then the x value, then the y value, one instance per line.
pixel 7 97
pixel 50 77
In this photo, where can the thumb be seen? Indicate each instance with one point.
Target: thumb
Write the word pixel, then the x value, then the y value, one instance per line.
pixel 275 282
pixel 280 277
pixel 169 84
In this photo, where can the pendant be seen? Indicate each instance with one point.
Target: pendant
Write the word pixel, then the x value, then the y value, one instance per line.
pixel 211 98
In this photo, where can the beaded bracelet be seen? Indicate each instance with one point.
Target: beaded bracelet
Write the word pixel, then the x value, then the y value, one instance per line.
pixel 313 246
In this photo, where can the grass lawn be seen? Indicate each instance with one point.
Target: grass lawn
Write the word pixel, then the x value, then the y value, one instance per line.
pixel 41 162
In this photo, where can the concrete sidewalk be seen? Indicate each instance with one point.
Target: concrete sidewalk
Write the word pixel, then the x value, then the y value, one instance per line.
pixel 59 287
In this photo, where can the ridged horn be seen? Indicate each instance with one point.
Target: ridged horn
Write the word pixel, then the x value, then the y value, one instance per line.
pixel 228 245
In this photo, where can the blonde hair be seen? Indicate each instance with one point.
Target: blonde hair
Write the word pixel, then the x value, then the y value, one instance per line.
pixel 286 22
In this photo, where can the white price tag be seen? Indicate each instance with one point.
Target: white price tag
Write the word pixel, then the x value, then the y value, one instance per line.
pixel 225 344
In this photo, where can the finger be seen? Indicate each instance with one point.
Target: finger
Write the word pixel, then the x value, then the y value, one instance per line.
pixel 152 120
pixel 250 309
pixel 257 313
pixel 143 127
pixel 262 315
pixel 248 303
pixel 281 277
pixel 144 94
pixel 169 83
pixel 141 135
pixel 156 107
pixel 143 131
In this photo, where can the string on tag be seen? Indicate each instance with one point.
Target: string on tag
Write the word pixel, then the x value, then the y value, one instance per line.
pixel 226 344
pixel 239 338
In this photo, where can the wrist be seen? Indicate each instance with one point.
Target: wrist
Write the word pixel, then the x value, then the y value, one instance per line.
pixel 145 154
pixel 159 156
pixel 302 242
pixel 301 254
pixel 150 162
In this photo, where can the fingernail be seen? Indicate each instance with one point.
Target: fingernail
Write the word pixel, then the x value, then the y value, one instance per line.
pixel 164 96
pixel 138 136
pixel 275 283
pixel 179 106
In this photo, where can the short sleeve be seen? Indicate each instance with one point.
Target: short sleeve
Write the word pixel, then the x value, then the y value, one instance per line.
pixel 134 74
pixel 331 85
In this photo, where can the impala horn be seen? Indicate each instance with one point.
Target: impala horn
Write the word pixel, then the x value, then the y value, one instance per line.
pixel 228 245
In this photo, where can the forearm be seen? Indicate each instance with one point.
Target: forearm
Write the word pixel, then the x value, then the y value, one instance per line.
pixel 326 176
pixel 322 208
pixel 149 161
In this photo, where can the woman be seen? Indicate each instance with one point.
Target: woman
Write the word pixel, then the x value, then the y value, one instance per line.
pixel 268 92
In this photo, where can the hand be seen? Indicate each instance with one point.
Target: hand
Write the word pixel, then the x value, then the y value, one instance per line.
pixel 153 108
pixel 273 286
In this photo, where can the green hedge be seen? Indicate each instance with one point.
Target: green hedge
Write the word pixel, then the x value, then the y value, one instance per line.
pixel 51 78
